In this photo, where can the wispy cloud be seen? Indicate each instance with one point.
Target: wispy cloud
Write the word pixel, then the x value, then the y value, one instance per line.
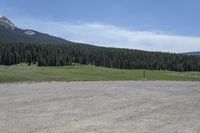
pixel 114 36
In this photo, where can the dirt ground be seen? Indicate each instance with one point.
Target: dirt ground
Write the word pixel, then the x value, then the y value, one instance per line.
pixel 100 107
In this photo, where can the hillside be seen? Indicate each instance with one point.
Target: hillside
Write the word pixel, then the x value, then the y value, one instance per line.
pixel 10 33
pixel 27 46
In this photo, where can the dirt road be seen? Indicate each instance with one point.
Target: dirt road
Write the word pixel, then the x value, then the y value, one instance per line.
pixel 100 107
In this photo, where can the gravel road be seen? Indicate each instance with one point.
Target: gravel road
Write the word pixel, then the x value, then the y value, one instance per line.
pixel 100 107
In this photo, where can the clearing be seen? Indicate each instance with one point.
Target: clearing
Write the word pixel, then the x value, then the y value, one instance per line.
pixel 22 73
pixel 100 107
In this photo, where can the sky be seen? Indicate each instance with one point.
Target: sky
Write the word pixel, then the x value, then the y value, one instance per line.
pixel 154 25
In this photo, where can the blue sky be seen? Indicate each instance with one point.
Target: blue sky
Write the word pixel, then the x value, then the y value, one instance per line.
pixel 158 25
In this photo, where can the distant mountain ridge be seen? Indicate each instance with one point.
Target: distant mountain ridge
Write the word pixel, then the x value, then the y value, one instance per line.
pixel 197 53
pixel 10 33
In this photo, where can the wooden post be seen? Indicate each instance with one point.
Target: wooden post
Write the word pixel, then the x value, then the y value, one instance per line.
pixel 144 75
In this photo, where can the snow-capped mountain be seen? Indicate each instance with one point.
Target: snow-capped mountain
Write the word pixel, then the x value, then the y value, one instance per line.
pixel 11 33
pixel 6 23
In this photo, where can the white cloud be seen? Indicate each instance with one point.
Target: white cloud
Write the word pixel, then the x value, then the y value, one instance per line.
pixel 113 36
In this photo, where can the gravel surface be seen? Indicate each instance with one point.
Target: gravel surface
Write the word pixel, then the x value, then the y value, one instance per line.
pixel 100 107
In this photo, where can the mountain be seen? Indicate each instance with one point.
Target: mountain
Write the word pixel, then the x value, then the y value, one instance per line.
pixel 192 53
pixel 10 33
pixel 6 23
pixel 15 48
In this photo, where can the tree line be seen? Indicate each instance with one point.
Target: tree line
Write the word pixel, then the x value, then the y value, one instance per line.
pixel 66 54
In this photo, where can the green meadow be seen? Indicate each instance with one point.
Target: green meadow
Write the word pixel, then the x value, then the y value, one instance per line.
pixel 22 73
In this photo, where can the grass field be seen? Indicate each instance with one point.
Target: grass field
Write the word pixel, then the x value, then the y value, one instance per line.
pixel 23 72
